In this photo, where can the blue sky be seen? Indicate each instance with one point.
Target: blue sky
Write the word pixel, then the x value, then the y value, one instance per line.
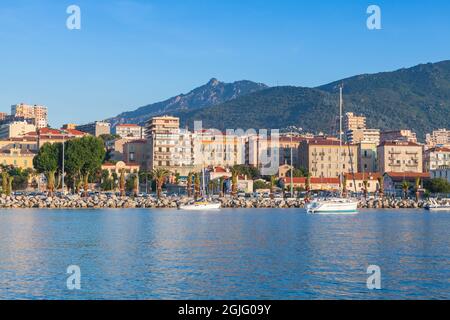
pixel 133 52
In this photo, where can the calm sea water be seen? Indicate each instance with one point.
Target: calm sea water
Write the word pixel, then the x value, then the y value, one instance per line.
pixel 233 254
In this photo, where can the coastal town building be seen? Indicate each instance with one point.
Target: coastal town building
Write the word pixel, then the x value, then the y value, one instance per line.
pixel 441 173
pixel 354 122
pixel 17 158
pixel 436 158
pixel 169 146
pixel 129 131
pixel 49 135
pixel 263 152
pixel 119 167
pixel 357 182
pixel 364 135
pixel 398 135
pixel 22 143
pixel 321 157
pixel 288 145
pixel 393 181
pixel 284 170
pixel 3 115
pixel 96 129
pixel 213 148
pixel 39 114
pixel 135 151
pixel 367 157
pixel 438 138
pixel 15 129
pixel 316 184
pixel 397 156
pixel 69 126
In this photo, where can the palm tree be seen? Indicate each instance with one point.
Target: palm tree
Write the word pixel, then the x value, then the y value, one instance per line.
pixel 197 185
pixel 160 176
pixel 122 182
pixel 51 182
pixel 189 184
pixel 417 188
pixel 273 182
pixel 136 184
pixel 405 188
pixel 222 186
pixel 366 186
pixel 234 181
pixel 5 177
pixel 10 186
pixel 381 186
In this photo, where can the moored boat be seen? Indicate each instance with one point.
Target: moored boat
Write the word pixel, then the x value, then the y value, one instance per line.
pixel 201 206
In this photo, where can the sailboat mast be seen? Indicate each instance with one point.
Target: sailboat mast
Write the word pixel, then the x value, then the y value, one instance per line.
pixel 340 139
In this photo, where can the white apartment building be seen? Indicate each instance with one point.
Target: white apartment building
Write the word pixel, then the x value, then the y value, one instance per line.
pixel 436 158
pixel 129 131
pixel 36 112
pixel 399 135
pixel 16 129
pixel 441 173
pixel 439 137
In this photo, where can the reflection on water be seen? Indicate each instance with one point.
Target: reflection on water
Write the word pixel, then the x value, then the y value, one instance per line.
pixel 233 254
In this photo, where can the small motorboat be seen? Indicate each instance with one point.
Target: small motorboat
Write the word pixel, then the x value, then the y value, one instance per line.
pixel 434 206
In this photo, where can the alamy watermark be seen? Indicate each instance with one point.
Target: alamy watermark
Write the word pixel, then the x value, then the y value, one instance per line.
pixel 374 20
pixel 74 280
pixel 374 280
pixel 73 22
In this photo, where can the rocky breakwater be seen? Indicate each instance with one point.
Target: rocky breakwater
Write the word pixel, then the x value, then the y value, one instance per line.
pixel 78 202
pixel 388 203
pixel 249 203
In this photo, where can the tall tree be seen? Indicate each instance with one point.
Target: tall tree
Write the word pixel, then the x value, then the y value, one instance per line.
pixel 46 162
pixel 160 175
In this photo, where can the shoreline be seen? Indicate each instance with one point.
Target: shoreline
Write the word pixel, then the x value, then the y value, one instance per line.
pixel 76 202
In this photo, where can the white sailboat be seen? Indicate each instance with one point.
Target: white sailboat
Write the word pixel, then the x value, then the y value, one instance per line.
pixel 434 206
pixel 338 205
pixel 202 204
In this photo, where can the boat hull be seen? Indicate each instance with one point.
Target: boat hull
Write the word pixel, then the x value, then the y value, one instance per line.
pixel 333 207
pixel 193 207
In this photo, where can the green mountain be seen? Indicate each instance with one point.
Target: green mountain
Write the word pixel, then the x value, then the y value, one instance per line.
pixel 210 94
pixel 416 98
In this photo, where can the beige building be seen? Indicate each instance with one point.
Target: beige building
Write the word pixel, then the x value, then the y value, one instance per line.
pixel 135 151
pixel 96 129
pixel 162 125
pixel 216 149
pixel 128 168
pixel 288 145
pixel 398 135
pixel 439 138
pixel 367 157
pixel 364 135
pixel 16 129
pixel 396 156
pixel 356 182
pixel 354 122
pixel 17 158
pixel 263 152
pixel 436 158
pixel 24 144
pixel 129 131
pixel 38 113
pixel 322 157
pixel 69 126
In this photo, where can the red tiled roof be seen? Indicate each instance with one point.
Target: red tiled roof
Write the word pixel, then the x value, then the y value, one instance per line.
pixel 219 170
pixel 438 149
pixel 75 132
pixel 407 175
